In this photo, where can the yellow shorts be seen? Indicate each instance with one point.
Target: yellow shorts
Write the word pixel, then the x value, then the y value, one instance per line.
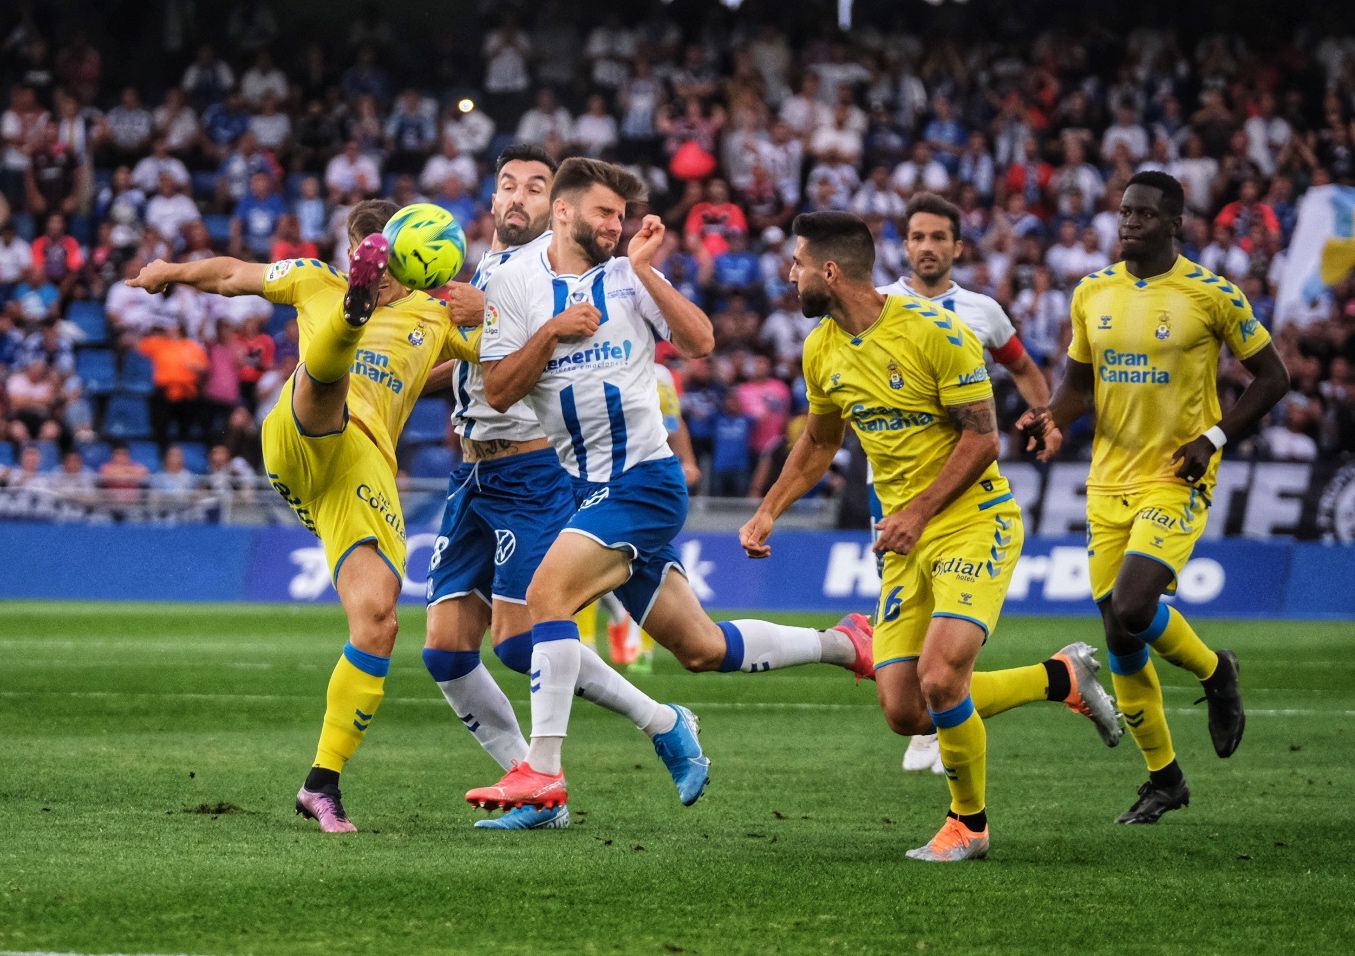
pixel 961 568
pixel 1160 522
pixel 339 485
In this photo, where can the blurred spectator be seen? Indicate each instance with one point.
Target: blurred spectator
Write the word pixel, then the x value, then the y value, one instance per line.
pixel 411 132
pixel 122 477
pixel 365 77
pixel 57 255
pixel 177 122
pixel 256 218
pixel 73 481
pixel 16 258
pixel 147 172
pixel 173 483
pixel 32 398
pixel 766 400
pixel 223 124
pixel 29 473
pixel 471 128
pixel 1247 210
pixel 239 165
pixel 79 67
pixel 130 127
pixel 179 366
pixel 450 161
pixel 545 119
pixel 731 442
pixel 287 242
pixel 1040 313
pixel 20 126
pixel 55 180
pixel 352 171
pixel 507 52
pixel 316 137
pixel 36 298
pixel 53 347
pixel 263 79
pixel 258 357
pixel 1224 256
pixel 208 80
pixel 310 211
pixel 226 475
pixel 271 127
pixel 169 210
pixel 123 206
pixel 715 219
pixel 1291 439
pixel 920 172
pixel 221 387
pixel 595 130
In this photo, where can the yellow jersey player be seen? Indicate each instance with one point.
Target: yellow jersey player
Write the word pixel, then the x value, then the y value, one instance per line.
pixel 367 345
pixel 1144 355
pixel 910 377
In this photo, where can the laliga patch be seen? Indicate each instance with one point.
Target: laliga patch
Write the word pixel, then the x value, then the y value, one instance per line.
pixel 279 269
pixel 491 321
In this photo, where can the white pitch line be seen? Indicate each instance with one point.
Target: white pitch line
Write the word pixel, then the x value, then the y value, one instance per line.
pixel 44 952
pixel 696 704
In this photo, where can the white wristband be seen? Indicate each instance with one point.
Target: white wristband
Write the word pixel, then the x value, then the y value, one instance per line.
pixel 1216 438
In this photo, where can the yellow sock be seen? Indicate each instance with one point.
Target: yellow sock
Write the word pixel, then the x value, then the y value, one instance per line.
pixel 1139 697
pixel 964 754
pixel 355 691
pixel 329 354
pixel 1172 636
pixel 996 691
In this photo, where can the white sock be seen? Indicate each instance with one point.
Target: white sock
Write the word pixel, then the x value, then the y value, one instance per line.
pixel 612 605
pixel 483 708
pixel 768 646
pixel 605 687
pixel 554 675
pixel 836 648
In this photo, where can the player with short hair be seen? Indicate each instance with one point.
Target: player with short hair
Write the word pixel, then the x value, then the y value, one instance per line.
pixel 1144 356
pixel 932 241
pixel 570 329
pixel 367 345
pixel 507 501
pixel 911 378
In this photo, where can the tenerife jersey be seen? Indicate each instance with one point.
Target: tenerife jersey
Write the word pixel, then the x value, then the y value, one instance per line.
pixel 597 399
pixel 399 347
pixel 1154 347
pixel 980 312
pixel 472 415
pixel 894 382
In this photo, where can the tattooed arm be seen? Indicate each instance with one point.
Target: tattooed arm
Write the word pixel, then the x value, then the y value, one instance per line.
pixel 977 449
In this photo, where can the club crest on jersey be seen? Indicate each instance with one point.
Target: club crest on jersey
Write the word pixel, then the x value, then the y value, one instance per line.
pixel 416 337
pixel 895 376
pixel 1164 328
pixel 1105 322
pixel 577 296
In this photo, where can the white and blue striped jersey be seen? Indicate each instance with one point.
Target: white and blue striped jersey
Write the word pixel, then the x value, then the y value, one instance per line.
pixel 472 415
pixel 598 398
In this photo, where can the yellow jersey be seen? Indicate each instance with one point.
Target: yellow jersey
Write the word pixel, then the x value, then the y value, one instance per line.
pixel 402 343
pixel 1153 345
pixel 893 382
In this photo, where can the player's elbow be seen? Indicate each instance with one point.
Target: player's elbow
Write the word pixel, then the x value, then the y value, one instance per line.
pixel 698 345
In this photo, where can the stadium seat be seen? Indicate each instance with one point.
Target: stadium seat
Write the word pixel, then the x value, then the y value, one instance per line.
pixel 293 184
pixel 433 461
pixel 145 452
pixel 127 417
pixel 282 314
pixel 98 370
pixel 24 225
pixel 427 423
pixel 90 319
pixel 218 227
pixel 95 453
pixel 6 455
pixel 136 374
pixel 194 457
pixel 51 455
pixel 82 228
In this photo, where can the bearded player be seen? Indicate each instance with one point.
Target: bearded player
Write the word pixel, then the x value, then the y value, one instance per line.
pixel 1144 356
pixel 932 241
pixel 367 346
pixel 506 503
pixel 911 379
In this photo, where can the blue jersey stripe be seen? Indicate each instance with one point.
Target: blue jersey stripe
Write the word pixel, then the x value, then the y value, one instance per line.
pixel 571 417
pixel 463 397
pixel 561 289
pixel 600 297
pixel 616 416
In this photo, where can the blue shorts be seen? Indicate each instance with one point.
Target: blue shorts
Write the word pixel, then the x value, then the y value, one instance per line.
pixel 500 520
pixel 641 512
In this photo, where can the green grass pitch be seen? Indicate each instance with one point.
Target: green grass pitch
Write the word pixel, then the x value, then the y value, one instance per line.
pixel 150 753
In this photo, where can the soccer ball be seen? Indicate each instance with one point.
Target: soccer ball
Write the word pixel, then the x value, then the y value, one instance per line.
pixel 427 246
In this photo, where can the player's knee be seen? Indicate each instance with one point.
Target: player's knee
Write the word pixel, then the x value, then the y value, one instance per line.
pixel 942 689
pixel 906 721
pixel 545 602
pixel 1134 612
pixel 374 629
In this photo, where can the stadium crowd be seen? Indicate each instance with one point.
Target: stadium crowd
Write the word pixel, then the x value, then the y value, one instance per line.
pixel 233 149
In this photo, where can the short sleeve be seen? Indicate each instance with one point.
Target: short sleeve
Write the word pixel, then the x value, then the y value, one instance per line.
pixel 1236 324
pixel 815 389
pixel 462 345
pixel 956 356
pixel 1079 349
pixel 649 309
pixel 505 328
pixel 289 281
pixel 999 331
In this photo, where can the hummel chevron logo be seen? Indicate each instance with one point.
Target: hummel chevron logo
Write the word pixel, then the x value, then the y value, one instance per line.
pixel 362 717
pixel 1135 719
